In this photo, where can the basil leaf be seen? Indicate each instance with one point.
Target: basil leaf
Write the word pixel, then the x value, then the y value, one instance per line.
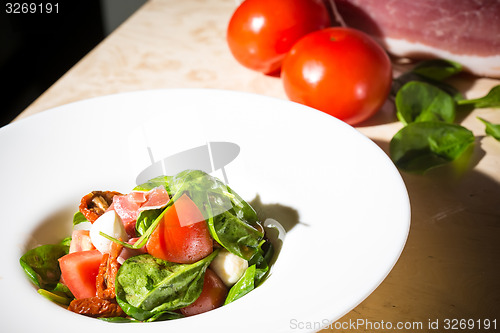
pixel 42 266
pixel 491 100
pixel 420 101
pixel 147 286
pixel 420 146
pixel 437 69
pixel 491 129
pixel 79 218
pixel 146 219
pixel 244 285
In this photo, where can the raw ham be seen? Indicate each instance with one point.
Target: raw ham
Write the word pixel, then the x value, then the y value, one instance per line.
pixel 129 206
pixel 156 198
pixel 465 31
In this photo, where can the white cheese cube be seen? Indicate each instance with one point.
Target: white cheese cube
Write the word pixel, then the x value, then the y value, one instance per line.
pixel 110 224
pixel 229 267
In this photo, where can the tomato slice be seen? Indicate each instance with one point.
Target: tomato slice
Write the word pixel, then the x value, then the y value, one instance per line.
pixel 80 241
pixel 182 236
pixel 79 271
pixel 212 296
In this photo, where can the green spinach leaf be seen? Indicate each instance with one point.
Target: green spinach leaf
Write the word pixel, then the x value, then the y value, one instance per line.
pixel 202 188
pixel 62 290
pixel 66 241
pixel 437 69
pixel 244 285
pixel 491 100
pixel 491 129
pixel 78 218
pixel 420 101
pixel 42 266
pixel 155 182
pixel 165 315
pixel 118 320
pixel 147 286
pixel 261 260
pixel 55 297
pixel 235 235
pixel 232 221
pixel 420 146
pixel 404 78
pixel 146 219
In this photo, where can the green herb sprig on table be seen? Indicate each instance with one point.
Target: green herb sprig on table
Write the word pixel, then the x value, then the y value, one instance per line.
pixel 427 107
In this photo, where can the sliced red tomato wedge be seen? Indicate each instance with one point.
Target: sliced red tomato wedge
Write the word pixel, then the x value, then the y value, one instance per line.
pixel 80 241
pixel 79 271
pixel 212 296
pixel 182 236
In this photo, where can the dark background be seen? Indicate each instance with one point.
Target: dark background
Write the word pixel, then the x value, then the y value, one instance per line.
pixel 37 49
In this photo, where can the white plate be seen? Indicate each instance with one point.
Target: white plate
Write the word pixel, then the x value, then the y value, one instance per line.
pixel 343 201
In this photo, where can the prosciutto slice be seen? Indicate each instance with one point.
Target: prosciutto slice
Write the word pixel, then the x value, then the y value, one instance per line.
pixel 465 31
pixel 156 198
pixel 129 206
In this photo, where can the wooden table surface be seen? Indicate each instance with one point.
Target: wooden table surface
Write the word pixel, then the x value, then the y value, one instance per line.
pixel 449 268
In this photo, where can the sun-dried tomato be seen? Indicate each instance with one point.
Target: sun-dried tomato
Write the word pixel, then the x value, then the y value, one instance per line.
pixel 104 304
pixel 96 203
pixel 96 307
pixel 105 281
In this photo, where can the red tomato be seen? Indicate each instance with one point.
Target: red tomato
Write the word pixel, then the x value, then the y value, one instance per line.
pixel 182 236
pixel 261 32
pixel 212 296
pixel 340 71
pixel 80 241
pixel 79 271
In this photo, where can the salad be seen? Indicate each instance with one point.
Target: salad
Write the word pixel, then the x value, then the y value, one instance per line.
pixel 173 247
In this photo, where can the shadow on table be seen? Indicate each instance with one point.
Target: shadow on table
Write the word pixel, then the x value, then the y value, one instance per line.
pixel 450 261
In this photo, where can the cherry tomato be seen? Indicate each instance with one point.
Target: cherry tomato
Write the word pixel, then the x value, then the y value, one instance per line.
pixel 340 71
pixel 182 236
pixel 79 272
pixel 212 296
pixel 261 32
